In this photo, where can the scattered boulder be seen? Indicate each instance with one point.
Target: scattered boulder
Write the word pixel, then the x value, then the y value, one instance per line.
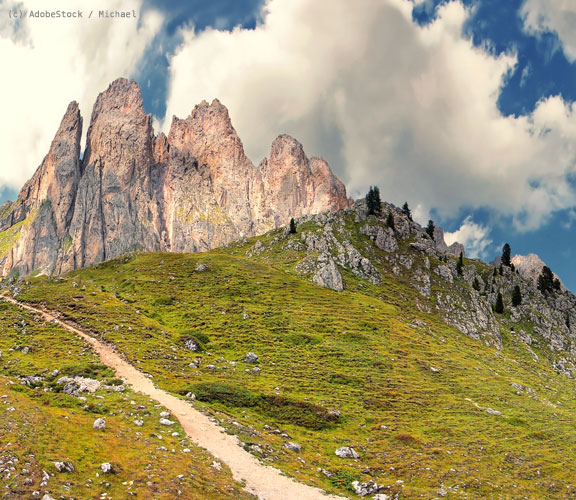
pixel 365 489
pixel 192 345
pixel 64 467
pixel 100 424
pixel 493 412
pixel 292 447
pixel 107 468
pixel 31 380
pixel 250 358
pixel 165 421
pixel 347 452
pixel 76 385
pixel 200 268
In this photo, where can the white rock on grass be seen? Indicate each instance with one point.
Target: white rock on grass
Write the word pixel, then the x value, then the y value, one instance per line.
pixel 293 446
pixel 165 421
pixel 346 452
pixel 64 467
pixel 107 468
pixel 100 424
pixel 250 358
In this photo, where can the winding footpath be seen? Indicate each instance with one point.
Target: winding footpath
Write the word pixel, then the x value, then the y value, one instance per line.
pixel 267 483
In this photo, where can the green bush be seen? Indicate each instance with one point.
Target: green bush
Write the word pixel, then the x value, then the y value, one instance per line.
pixel 228 395
pixel 344 479
pixel 282 409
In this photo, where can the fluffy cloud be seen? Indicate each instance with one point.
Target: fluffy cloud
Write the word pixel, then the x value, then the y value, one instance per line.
pixel 554 16
pixel 473 236
pixel 49 62
pixel 410 108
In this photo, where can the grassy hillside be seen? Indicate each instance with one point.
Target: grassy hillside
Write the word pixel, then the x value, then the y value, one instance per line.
pixel 431 412
pixel 40 425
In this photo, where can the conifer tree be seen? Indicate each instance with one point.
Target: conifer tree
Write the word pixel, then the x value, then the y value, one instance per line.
pixel 516 296
pixel 406 210
pixel 390 220
pixel 460 264
pixel 373 201
pixel 430 229
pixel 476 284
pixel 506 255
pixel 546 282
pixel 292 226
pixel 499 306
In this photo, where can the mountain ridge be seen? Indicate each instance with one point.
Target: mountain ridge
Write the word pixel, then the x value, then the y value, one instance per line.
pixel 192 190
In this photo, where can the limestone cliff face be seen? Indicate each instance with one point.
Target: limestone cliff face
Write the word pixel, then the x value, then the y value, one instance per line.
pixel 36 223
pixel 191 191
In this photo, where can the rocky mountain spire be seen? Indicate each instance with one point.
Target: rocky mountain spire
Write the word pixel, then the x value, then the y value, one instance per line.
pixel 193 190
pixel 36 223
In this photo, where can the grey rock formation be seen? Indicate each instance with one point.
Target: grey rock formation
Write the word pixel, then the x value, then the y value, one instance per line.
pixel 191 191
pixel 64 467
pixel 530 266
pixel 99 424
pixel 346 452
pixel 250 358
pixel 327 274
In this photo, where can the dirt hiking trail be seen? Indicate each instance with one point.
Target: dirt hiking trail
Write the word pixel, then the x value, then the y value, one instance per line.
pixel 267 483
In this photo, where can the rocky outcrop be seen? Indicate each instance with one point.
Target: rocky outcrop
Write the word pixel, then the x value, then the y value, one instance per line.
pixel 192 190
pixel 34 226
pixel 530 266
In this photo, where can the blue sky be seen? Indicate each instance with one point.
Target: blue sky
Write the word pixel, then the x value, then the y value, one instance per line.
pixel 461 107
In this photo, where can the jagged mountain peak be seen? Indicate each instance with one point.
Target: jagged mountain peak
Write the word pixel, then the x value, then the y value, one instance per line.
pixel 122 95
pixel 192 190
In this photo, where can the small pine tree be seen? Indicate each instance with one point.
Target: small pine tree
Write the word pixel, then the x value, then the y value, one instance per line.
pixel 476 284
pixel 499 306
pixel 292 226
pixel 460 264
pixel 373 202
pixel 430 229
pixel 557 286
pixel 495 272
pixel 546 282
pixel 501 270
pixel 406 210
pixel 390 220
pixel 516 296
pixel 377 201
pixel 506 255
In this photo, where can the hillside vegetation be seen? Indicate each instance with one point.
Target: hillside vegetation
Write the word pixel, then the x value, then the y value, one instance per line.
pixel 408 365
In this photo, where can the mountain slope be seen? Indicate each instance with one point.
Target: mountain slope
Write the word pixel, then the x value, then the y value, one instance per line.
pixel 193 190
pixel 47 416
pixel 438 395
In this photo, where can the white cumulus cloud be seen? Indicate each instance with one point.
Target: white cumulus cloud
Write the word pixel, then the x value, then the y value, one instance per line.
pixel 473 236
pixel 49 62
pixel 410 108
pixel 552 16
